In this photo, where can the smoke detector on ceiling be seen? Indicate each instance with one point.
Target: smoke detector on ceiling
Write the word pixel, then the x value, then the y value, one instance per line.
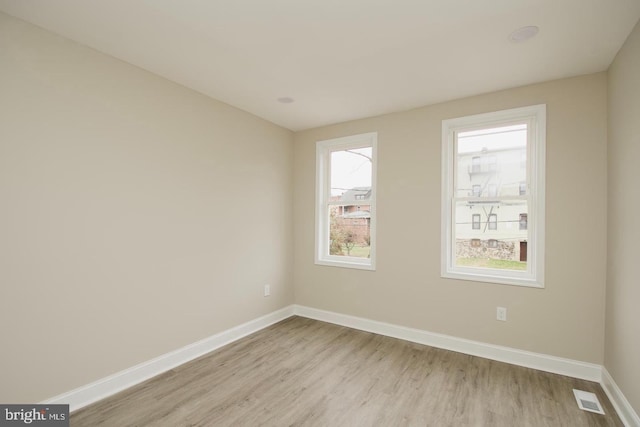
pixel 523 34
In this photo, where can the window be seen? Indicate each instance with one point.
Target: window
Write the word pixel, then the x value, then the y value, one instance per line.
pixel 493 163
pixel 522 189
pixel 513 141
pixel 345 201
pixel 475 221
pixel 523 221
pixel 475 164
pixel 493 190
pixel 493 222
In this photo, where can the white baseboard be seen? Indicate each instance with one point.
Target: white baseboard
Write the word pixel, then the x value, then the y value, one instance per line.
pixel 119 381
pixel 542 362
pixel 626 413
pixel 122 380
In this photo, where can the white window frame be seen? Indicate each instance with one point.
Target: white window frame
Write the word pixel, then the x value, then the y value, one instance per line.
pixel 535 117
pixel 323 193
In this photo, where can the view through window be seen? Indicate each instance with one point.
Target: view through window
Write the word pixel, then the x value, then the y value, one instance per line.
pixel 349 211
pixel 489 203
pixel 345 220
pixel 493 197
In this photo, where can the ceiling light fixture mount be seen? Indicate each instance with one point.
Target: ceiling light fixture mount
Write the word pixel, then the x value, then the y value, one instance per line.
pixel 523 34
pixel 286 100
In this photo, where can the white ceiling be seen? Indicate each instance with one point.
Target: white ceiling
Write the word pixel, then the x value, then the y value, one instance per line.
pixel 342 59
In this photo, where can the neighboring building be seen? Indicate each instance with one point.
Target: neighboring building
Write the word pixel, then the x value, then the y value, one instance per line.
pixel 351 217
pixel 492 222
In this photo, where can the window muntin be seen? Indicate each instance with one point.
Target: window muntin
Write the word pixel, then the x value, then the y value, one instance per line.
pixel 345 201
pixel 493 166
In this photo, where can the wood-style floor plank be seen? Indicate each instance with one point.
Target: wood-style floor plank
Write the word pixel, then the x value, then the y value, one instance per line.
pixel 302 372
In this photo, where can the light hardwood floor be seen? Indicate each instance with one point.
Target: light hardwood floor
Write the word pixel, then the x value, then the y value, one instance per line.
pixel 303 372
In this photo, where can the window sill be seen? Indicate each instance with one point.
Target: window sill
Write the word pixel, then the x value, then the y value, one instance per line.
pixel 499 280
pixel 347 263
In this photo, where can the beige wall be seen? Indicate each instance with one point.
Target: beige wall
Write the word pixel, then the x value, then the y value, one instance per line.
pixel 622 354
pixel 565 319
pixel 132 209
pixel 136 216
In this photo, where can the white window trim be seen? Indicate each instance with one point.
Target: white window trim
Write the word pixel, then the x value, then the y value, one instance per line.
pixel 323 149
pixel 536 117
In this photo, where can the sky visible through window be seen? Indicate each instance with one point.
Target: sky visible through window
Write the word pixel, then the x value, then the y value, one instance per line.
pixel 350 169
pixel 502 138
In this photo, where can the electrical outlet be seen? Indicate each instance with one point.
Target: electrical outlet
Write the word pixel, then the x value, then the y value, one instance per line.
pixel 267 290
pixel 501 314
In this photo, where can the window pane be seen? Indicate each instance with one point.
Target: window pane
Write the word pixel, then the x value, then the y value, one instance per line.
pixel 350 231
pixel 489 235
pixel 351 173
pixel 350 182
pixel 491 162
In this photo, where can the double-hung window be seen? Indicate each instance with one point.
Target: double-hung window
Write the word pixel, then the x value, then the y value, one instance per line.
pixel 346 201
pixel 504 243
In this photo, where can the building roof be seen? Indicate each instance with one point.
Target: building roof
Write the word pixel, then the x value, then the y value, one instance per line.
pixel 356 194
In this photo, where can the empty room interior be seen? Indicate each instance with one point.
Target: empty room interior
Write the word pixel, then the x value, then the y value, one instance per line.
pixel 321 213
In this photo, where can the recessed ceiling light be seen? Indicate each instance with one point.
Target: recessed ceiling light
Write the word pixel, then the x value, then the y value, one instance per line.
pixel 286 100
pixel 523 34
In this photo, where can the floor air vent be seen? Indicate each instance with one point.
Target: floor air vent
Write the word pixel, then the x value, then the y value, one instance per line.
pixel 588 401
